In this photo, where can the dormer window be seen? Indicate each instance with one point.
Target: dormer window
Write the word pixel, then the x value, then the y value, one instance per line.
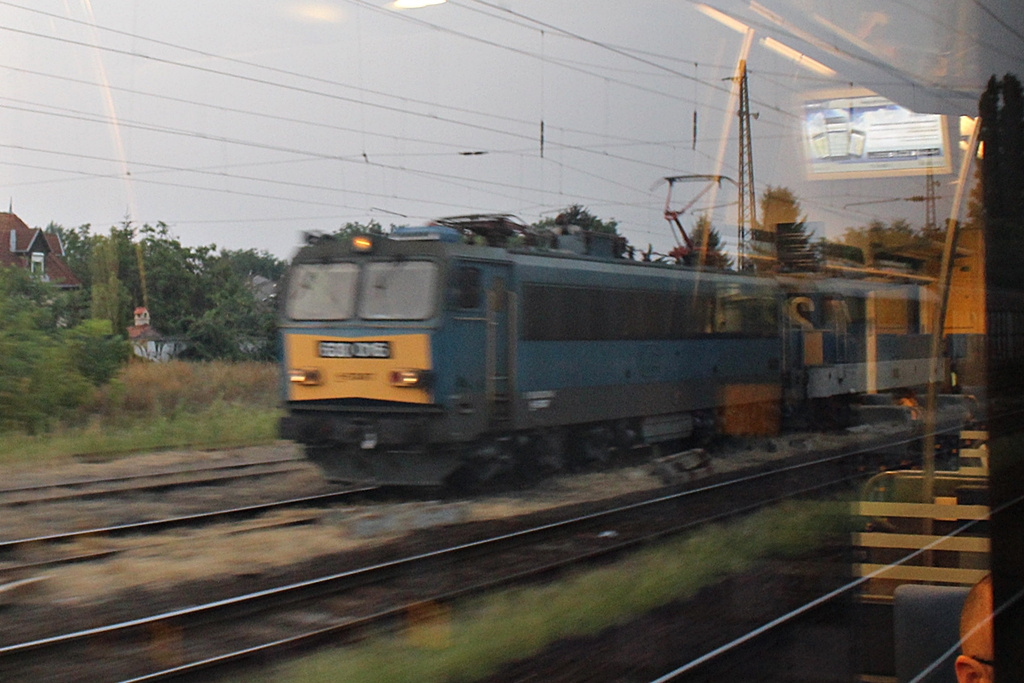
pixel 38 252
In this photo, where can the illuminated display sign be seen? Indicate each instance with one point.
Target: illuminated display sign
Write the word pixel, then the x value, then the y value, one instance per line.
pixel 865 135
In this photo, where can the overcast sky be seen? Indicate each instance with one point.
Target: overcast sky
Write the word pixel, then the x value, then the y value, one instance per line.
pixel 246 122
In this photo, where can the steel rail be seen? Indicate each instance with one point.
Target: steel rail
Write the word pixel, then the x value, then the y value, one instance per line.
pixel 291 594
pixel 155 486
pixel 262 599
pixel 186 520
pixel 143 475
pixel 351 626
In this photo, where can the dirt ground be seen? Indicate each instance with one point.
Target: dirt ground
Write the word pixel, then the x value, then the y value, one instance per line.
pixel 282 538
pixel 248 547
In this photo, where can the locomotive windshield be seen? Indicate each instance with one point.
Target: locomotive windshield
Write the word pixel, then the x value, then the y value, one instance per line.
pixel 398 290
pixel 322 291
pixel 379 290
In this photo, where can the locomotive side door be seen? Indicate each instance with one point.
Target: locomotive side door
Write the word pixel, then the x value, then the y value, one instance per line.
pixel 500 348
pixel 480 349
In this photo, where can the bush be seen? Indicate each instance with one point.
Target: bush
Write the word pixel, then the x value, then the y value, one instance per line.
pixel 149 406
pixel 39 380
pixel 97 353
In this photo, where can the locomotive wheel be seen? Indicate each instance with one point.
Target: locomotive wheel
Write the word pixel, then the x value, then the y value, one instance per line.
pixel 487 462
pixel 593 445
pixel 548 449
pixel 833 412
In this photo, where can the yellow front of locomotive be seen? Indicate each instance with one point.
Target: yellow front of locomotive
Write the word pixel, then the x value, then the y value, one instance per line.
pixel 356 325
pixel 370 366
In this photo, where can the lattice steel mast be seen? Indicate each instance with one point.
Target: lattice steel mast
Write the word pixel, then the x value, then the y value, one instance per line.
pixel 930 221
pixel 747 201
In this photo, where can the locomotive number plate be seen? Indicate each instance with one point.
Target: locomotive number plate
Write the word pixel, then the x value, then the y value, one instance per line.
pixel 367 349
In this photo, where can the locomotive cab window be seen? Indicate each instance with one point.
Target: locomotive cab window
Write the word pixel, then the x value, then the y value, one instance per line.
pixel 466 288
pixel 398 290
pixel 322 291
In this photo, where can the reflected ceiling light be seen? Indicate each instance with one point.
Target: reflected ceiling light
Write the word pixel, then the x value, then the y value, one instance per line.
pixel 809 38
pixel 318 12
pixel 844 34
pixel 416 4
pixel 766 13
pixel 797 56
pixel 722 18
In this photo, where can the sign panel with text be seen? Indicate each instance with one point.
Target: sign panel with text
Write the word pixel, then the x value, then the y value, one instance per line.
pixel 865 135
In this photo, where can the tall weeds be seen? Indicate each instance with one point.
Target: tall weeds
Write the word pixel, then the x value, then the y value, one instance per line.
pixel 168 389
pixel 150 406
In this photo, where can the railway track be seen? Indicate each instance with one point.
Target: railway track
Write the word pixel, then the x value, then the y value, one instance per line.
pixel 375 587
pixel 159 480
pixel 10 547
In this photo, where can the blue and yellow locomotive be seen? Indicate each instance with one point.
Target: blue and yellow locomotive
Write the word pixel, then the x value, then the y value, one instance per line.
pixel 471 347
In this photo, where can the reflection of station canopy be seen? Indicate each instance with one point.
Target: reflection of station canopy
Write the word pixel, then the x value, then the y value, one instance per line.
pixel 931 62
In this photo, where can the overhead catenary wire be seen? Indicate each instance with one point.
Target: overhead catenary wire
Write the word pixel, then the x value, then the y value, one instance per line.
pixel 607 140
pixel 713 85
pixel 456 148
pixel 353 158
pixel 293 74
pixel 522 136
pixel 245 62
pixel 290 73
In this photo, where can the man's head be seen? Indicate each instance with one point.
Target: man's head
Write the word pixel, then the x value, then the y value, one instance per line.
pixel 977 643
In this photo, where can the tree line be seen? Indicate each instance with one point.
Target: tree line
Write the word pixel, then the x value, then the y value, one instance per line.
pixel 55 345
pixel 203 297
pixel 48 367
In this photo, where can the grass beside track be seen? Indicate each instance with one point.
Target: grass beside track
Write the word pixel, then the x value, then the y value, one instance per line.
pixel 477 637
pixel 154 406
pixel 220 426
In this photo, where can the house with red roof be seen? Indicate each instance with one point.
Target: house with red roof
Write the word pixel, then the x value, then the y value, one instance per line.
pixel 150 344
pixel 34 250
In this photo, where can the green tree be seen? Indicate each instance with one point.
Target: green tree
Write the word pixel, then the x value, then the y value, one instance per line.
pixel 578 215
pixel 879 239
pixel 109 297
pixel 39 379
pixel 706 239
pixel 96 351
pixel 178 283
pixel 773 247
pixel 249 262
pixel 77 245
pixel 234 324
pixel 108 261
pixel 354 228
pixel 779 205
pixel 194 294
pixel 72 306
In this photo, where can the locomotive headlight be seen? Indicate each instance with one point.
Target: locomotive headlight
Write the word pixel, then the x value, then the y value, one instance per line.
pixel 363 243
pixel 306 376
pixel 419 379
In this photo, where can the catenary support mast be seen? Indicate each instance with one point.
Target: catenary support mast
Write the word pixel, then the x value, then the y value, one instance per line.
pixel 747 202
